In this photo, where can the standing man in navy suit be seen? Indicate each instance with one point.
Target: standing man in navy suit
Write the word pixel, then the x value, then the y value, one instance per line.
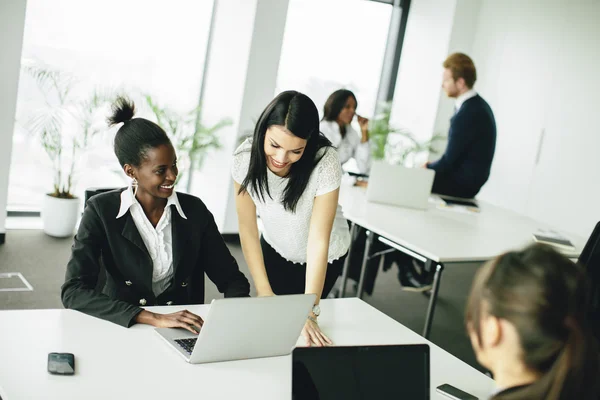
pixel 465 166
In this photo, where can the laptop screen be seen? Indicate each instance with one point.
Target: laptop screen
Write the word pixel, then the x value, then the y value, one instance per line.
pixel 361 372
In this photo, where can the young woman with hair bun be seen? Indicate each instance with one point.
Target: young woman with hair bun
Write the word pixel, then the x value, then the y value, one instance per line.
pixel 155 244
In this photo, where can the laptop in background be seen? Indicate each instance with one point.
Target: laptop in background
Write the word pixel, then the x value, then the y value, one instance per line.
pixel 243 328
pixel 361 372
pixel 400 186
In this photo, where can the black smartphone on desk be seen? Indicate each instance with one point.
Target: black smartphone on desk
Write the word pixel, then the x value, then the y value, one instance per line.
pixel 454 393
pixel 61 363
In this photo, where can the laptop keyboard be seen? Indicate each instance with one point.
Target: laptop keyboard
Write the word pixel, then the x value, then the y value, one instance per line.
pixel 187 344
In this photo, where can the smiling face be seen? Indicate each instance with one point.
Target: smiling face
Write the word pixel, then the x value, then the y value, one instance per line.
pixel 282 149
pixel 157 173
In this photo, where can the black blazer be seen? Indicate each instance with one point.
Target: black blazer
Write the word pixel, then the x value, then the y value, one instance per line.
pixel 465 166
pixel 197 248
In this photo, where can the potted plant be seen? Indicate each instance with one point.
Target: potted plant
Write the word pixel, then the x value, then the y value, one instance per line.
pixel 191 139
pixel 65 126
pixel 397 146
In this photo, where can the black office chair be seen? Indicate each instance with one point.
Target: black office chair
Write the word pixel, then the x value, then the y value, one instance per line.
pixel 89 193
pixel 590 261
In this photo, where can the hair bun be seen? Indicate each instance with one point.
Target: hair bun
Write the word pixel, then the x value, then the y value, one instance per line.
pixel 122 110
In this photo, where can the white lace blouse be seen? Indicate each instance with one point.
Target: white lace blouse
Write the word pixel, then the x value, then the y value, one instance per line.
pixel 285 231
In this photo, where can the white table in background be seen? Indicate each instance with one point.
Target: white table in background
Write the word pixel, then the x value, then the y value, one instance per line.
pixel 439 236
pixel 113 362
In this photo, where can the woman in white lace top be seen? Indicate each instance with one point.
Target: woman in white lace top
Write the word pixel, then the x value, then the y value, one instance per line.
pixel 290 175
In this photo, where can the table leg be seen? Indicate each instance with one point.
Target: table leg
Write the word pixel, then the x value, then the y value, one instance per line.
pixel 363 269
pixel 434 294
pixel 354 229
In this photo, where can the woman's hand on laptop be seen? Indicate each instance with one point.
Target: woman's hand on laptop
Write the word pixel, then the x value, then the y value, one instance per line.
pixel 181 319
pixel 313 335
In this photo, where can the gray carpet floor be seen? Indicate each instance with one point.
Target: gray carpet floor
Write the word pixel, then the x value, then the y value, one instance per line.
pixel 42 261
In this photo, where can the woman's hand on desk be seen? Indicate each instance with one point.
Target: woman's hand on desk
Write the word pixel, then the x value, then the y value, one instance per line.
pixel 313 335
pixel 181 319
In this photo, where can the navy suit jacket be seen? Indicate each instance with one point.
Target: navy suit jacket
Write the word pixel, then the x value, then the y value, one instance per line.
pixel 466 163
pixel 198 248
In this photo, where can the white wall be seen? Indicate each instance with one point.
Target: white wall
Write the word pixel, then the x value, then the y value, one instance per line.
pixel 425 47
pixel 435 28
pixel 511 54
pixel 223 94
pixel 12 23
pixel 566 185
pixel 464 26
pixel 240 81
pixel 263 64
pixel 537 63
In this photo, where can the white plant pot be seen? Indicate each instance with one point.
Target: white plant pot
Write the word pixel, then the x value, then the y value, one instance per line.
pixel 59 216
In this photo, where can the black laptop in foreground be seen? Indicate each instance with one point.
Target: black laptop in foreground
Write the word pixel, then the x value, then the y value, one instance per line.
pixel 361 372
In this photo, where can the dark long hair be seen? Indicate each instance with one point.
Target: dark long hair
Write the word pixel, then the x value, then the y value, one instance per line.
pixel 544 295
pixel 296 112
pixel 136 136
pixel 334 105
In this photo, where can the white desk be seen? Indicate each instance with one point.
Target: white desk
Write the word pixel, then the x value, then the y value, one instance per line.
pixel 441 236
pixel 112 362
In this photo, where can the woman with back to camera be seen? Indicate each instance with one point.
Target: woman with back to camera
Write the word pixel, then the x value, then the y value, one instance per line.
pixel 338 113
pixel 291 175
pixel 155 244
pixel 526 320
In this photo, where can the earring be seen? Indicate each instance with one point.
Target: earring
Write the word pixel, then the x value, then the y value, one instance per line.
pixel 134 183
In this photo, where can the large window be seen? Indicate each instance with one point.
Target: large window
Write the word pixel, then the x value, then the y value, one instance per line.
pixel 333 44
pixel 134 46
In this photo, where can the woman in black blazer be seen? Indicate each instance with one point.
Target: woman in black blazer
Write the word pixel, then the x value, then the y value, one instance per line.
pixel 154 243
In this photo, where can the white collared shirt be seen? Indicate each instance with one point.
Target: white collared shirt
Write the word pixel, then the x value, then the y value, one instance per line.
pixel 349 146
pixel 464 97
pixel 158 241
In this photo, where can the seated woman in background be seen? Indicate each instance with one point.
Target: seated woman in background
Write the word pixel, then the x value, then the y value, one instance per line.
pixel 526 320
pixel 155 244
pixel 338 113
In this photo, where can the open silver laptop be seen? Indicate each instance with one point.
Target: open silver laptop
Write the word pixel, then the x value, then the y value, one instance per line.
pixel 400 186
pixel 242 328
